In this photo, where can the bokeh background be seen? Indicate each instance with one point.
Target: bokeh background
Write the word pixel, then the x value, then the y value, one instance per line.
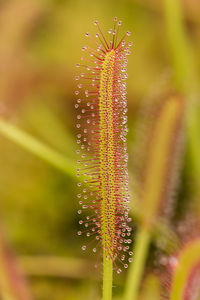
pixel 40 44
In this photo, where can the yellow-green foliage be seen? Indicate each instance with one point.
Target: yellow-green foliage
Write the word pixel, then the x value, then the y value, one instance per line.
pixel 189 259
pixel 160 158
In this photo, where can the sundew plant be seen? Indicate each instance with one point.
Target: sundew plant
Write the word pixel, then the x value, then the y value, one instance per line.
pixel 102 130
pixel 126 157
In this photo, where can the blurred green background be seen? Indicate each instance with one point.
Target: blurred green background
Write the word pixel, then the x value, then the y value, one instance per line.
pixel 40 43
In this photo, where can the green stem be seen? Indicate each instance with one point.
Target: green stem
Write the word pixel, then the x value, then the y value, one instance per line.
pixel 107 277
pixel 136 268
pixel 194 142
pixel 181 51
pixel 185 75
pixel 37 148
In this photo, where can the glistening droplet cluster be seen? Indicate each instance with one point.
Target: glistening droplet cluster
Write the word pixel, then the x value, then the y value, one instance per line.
pixel 101 136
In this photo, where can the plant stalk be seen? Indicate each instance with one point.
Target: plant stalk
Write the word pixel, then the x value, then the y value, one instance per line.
pixel 184 74
pixel 181 52
pixel 107 277
pixel 37 148
pixel 136 268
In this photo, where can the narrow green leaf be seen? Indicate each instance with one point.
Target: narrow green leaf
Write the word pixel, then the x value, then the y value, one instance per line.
pixel 189 259
pixel 37 148
pixel 185 74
